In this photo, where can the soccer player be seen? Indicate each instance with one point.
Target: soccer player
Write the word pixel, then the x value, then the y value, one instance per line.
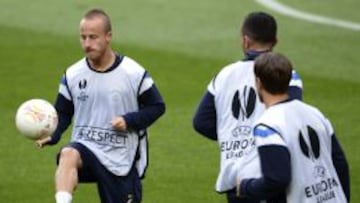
pixel 300 157
pixel 230 106
pixel 113 100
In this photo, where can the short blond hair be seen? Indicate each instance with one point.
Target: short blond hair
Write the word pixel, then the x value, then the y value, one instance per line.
pixel 96 12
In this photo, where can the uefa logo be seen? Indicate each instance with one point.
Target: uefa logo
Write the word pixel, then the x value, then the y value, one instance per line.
pixel 82 86
pixel 243 104
pixel 310 145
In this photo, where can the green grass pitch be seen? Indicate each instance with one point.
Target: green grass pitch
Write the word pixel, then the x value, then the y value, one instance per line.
pixel 182 44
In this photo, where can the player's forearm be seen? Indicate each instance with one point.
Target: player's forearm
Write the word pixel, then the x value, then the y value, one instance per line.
pixel 64 123
pixel 145 117
pixel 152 107
pixel 341 166
pixel 276 169
pixel 204 121
pixel 65 110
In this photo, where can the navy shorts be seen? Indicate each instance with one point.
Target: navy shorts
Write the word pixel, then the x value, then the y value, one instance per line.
pixel 111 188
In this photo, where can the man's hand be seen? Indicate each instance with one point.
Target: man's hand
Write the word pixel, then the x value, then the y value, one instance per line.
pixel 119 123
pixel 40 143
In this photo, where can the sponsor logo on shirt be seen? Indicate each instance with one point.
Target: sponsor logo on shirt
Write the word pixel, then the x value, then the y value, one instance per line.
pixel 242 143
pixel 101 136
pixel 324 187
pixel 323 190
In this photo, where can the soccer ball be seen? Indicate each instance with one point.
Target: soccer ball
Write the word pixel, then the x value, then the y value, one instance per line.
pixel 36 118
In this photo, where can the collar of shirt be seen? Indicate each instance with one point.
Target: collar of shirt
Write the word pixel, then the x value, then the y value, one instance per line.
pixel 252 54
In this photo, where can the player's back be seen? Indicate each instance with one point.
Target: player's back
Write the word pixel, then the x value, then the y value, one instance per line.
pixel 235 92
pixel 237 107
pixel 307 135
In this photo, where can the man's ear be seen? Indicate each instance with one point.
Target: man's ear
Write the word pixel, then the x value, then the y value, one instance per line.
pixel 246 42
pixel 259 89
pixel 258 84
pixel 274 43
pixel 108 36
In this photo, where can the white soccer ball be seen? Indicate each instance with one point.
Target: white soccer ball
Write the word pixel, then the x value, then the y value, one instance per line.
pixel 36 118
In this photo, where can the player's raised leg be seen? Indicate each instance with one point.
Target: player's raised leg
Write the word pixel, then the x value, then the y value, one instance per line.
pixel 66 177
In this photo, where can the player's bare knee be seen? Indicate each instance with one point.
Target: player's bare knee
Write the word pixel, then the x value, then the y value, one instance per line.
pixel 70 156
